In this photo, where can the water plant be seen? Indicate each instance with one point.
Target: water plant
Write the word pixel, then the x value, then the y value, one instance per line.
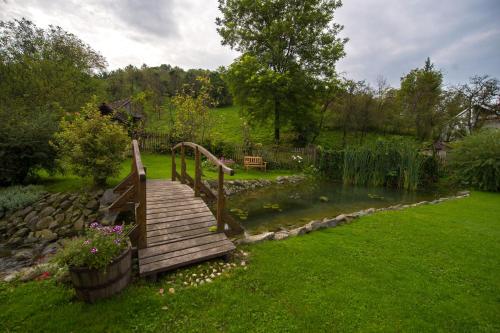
pixel 383 163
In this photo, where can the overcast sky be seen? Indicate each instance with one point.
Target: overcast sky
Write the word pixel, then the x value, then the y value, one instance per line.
pixel 387 37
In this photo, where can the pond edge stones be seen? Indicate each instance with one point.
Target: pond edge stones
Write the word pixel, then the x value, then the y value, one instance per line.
pixel 336 221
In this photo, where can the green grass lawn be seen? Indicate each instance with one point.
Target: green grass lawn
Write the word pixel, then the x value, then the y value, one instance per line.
pixel 432 268
pixel 158 167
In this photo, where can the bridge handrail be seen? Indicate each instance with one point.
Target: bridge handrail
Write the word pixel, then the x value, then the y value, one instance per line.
pixel 198 186
pixel 207 154
pixel 132 194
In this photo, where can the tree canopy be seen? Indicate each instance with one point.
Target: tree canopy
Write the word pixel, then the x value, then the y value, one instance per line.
pixel 288 47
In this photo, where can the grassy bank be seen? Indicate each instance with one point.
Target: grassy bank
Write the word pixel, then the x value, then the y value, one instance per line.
pixel 229 128
pixel 158 167
pixel 425 269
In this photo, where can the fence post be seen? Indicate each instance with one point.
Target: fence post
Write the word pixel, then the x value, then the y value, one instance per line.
pixel 220 200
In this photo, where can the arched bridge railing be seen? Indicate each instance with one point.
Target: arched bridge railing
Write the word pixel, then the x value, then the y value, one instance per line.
pixel 222 216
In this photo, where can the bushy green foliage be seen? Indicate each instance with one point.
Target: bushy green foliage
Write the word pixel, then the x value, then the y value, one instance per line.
pixel 193 121
pixel 97 248
pixel 42 73
pixel 383 163
pixel 25 147
pixel 15 197
pixel 91 145
pixel 475 160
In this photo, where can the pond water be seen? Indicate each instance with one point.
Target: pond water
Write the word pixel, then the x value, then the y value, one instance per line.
pixel 284 206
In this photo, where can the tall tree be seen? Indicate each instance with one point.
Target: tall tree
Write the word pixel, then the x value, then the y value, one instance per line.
pixel 287 46
pixel 420 94
pixel 44 72
pixel 481 98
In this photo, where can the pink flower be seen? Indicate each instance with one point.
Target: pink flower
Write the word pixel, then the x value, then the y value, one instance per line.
pixel 87 242
pixel 118 229
pixel 93 250
pixel 94 225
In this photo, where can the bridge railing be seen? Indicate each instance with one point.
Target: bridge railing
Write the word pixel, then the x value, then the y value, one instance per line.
pixel 221 215
pixel 132 192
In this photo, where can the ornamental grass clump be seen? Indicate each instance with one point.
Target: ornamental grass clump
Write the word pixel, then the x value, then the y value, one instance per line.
pixel 97 248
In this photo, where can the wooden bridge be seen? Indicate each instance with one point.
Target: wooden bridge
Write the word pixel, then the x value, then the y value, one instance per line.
pixel 175 226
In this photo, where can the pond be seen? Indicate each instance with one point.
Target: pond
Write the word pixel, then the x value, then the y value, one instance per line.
pixel 285 206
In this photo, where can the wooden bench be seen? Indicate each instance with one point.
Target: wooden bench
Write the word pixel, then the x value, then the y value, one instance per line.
pixel 254 162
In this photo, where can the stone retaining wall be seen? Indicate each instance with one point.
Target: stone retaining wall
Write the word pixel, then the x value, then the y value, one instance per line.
pixel 232 187
pixel 34 231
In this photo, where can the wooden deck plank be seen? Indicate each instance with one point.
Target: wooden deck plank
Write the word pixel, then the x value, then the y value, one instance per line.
pixel 181 206
pixel 159 226
pixel 177 235
pixel 178 253
pixel 152 251
pixel 179 217
pixel 179 228
pixel 170 213
pixel 183 260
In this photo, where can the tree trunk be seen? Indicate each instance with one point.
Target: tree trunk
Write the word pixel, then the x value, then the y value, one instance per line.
pixel 276 123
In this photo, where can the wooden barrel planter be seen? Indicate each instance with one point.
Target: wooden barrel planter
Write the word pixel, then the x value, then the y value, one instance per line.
pixel 94 284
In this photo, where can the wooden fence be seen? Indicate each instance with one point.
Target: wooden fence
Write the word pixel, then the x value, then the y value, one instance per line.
pixel 275 156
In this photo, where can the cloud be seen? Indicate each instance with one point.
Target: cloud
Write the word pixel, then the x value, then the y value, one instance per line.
pixel 387 37
pixel 391 37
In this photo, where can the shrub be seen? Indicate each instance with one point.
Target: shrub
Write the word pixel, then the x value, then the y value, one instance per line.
pixel 96 249
pixel 91 144
pixel 15 197
pixel 475 160
pixel 25 142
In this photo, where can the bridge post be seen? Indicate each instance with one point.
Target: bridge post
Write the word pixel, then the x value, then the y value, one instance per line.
pixel 183 164
pixel 220 200
pixel 197 172
pixel 173 165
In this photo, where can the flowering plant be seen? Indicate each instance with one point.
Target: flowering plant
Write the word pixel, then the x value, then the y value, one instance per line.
pixel 97 248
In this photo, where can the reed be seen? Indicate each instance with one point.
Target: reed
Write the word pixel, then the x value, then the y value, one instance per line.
pixel 383 163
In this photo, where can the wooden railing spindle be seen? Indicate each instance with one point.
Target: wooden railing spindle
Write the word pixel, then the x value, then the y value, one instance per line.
pixel 183 165
pixel 197 172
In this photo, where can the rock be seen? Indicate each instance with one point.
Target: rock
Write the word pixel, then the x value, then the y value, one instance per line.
pixel 14 241
pixel 10 277
pixel 21 232
pixel 317 224
pixel 323 199
pixel 44 223
pixel 341 219
pixel 30 216
pixel 87 212
pixel 79 224
pixel 108 197
pixel 370 210
pixel 463 193
pixel 257 238
pixel 330 222
pixel 46 235
pixel 92 205
pixel 59 218
pixel 297 231
pixel 26 211
pixel 46 211
pixel 28 274
pixel 30 239
pixel 65 204
pixel 24 254
pixel 281 235
pixel 32 223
